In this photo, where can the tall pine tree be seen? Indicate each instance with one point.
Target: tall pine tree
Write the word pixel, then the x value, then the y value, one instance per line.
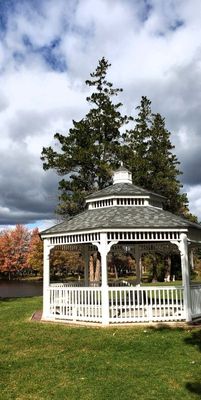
pixel 92 147
pixel 136 144
pixel 149 155
pixel 164 170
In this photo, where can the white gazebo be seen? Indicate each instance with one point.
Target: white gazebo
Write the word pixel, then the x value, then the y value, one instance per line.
pixel 122 216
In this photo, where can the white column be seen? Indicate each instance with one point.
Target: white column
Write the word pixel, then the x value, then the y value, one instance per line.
pixel 103 249
pixel 183 247
pixel 46 279
pixel 86 265
pixel 138 264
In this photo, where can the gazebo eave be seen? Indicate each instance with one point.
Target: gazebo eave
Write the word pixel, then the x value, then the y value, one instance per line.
pixel 113 229
pixel 117 196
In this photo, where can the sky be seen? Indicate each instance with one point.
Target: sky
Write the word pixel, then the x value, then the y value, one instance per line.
pixel 48 48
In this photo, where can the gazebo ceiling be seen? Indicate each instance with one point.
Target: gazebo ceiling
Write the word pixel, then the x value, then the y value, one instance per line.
pixel 122 217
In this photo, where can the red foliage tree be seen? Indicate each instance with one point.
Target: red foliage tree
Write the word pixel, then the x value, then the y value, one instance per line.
pixel 14 249
pixel 35 252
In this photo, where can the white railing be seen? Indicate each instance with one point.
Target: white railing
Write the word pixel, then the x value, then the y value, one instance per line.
pixel 68 284
pixel 196 300
pixel 126 304
pixel 146 304
pixel 75 304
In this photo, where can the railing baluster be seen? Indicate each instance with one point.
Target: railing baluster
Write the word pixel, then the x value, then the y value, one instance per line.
pixel 159 302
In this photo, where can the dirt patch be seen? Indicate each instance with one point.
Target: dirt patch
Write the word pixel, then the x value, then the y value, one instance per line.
pixel 37 315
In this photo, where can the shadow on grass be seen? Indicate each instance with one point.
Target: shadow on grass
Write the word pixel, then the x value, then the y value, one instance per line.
pixel 165 327
pixel 194 388
pixel 194 340
pixel 10 299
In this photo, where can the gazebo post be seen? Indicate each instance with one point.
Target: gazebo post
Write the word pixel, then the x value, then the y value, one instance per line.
pixel 138 264
pixel 103 250
pixel 183 247
pixel 86 266
pixel 46 279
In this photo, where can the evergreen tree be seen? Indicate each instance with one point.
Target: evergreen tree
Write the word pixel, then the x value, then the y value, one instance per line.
pixel 148 151
pixel 137 142
pixel 164 170
pixel 91 149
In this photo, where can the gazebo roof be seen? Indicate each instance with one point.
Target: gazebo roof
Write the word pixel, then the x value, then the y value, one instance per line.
pixel 122 217
pixel 122 189
pixel 123 206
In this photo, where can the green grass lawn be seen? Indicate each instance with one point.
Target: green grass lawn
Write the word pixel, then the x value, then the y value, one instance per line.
pixel 52 361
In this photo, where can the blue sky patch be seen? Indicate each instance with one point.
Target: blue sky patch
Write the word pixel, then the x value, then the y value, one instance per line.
pixel 55 61
pixel 178 23
pixel 6 7
pixel 19 57
pixel 146 10
pixel 50 53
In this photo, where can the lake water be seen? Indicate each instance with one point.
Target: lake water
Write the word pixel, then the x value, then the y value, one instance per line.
pixel 20 289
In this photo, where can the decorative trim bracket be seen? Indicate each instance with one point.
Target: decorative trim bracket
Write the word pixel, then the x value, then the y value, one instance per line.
pixel 106 246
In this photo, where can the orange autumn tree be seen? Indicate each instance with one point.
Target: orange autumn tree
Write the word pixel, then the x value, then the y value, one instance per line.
pixel 63 262
pixel 14 245
pixel 35 252
pixel 5 253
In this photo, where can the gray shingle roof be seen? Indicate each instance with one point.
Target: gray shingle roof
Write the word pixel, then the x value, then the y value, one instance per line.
pixel 122 168
pixel 122 217
pixel 122 189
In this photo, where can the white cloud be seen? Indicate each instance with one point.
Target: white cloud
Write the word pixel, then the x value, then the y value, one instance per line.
pixel 45 224
pixel 194 196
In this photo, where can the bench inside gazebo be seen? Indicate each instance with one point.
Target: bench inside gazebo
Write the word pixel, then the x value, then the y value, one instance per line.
pixel 122 216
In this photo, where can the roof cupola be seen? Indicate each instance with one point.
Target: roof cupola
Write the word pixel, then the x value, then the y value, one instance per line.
pixel 122 175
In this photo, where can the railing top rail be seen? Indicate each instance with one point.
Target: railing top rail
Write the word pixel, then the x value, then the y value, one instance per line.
pixel 76 288
pixel 146 287
pixel 120 288
pixel 72 283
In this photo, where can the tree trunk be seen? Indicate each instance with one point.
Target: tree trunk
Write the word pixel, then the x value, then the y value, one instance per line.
pixel 91 268
pixel 168 263
pixel 154 278
pixel 116 272
pixel 98 268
